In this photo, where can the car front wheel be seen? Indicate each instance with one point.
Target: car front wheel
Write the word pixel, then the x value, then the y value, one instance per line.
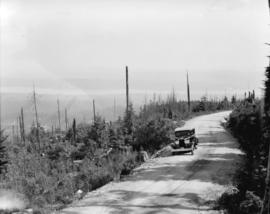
pixel 192 150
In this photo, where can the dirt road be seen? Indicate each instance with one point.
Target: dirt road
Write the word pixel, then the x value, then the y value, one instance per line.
pixel 183 184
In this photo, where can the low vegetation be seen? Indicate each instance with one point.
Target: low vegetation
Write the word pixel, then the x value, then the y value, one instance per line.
pixel 53 169
pixel 245 124
pixel 249 123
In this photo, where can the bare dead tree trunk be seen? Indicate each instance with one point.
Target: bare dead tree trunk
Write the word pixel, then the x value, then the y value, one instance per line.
pixel 94 110
pixel 22 132
pixel 114 109
pixel 173 97
pixel 74 133
pixel 127 90
pixel 22 126
pixel 66 119
pixel 188 93
pixel 58 112
pixel 13 134
pixel 36 117
pixel 18 130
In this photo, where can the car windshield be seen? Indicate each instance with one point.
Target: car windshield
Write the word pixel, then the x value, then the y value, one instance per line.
pixel 182 133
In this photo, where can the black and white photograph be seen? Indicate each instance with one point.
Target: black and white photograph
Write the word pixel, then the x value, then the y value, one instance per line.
pixel 134 106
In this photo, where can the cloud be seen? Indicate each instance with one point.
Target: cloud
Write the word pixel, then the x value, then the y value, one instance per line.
pixel 53 41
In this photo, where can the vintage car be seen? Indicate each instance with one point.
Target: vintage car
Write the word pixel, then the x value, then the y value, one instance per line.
pixel 185 141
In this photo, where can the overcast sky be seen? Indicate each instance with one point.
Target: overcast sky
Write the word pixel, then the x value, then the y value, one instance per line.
pixel 82 46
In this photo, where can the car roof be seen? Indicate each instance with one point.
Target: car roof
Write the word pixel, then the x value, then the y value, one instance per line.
pixel 183 129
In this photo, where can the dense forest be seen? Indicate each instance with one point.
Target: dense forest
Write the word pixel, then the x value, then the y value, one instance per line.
pixel 53 168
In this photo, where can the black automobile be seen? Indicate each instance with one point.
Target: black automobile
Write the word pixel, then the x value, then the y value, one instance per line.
pixel 185 141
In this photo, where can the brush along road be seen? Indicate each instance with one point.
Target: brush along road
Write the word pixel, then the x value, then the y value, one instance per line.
pixel 183 184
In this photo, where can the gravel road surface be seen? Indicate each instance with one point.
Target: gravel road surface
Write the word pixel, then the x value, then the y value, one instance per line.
pixel 183 184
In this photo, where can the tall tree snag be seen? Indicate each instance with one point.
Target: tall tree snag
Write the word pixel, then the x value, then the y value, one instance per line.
pixel 188 93
pixel 127 90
